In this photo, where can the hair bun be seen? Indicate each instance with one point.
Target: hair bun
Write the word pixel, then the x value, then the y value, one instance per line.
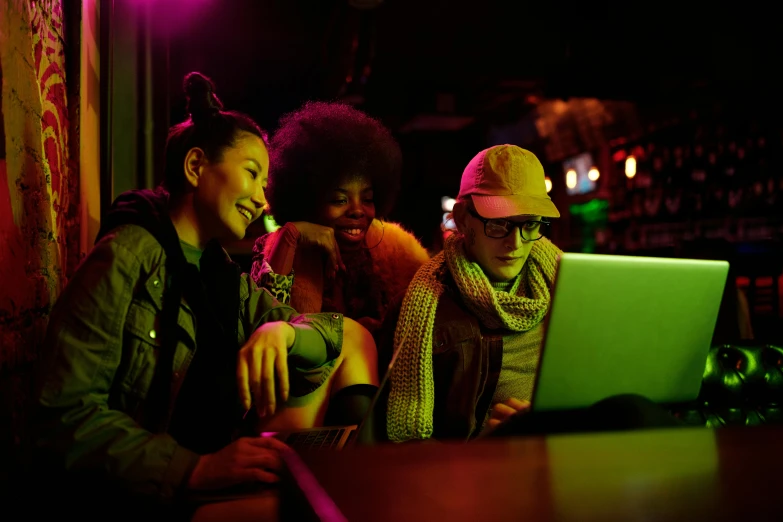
pixel 202 101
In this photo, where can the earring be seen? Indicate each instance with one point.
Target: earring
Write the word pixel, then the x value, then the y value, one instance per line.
pixel 383 232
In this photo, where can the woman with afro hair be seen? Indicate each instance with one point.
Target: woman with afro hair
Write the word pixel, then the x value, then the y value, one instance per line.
pixel 334 175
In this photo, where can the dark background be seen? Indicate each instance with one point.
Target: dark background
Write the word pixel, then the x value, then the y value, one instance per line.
pixel 269 55
pixel 488 62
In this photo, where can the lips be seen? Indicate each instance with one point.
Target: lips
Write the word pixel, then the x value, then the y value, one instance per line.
pixel 245 213
pixel 508 259
pixel 351 233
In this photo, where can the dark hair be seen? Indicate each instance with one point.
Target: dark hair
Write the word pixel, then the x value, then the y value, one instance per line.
pixel 208 127
pixel 318 145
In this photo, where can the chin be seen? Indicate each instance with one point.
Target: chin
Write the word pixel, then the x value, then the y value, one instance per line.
pixel 352 245
pixel 506 275
pixel 234 233
pixel 349 247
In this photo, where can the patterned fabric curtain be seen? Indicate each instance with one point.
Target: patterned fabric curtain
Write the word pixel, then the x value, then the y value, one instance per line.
pixel 39 180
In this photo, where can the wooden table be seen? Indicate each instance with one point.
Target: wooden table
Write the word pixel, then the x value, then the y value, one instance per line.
pixel 672 474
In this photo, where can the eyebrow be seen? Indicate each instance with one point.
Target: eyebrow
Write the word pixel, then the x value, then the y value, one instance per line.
pixel 344 191
pixel 257 164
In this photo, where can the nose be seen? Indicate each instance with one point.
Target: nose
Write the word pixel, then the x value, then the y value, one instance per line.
pixel 259 198
pixel 356 210
pixel 514 240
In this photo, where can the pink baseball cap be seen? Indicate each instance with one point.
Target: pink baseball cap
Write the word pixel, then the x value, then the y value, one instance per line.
pixel 506 180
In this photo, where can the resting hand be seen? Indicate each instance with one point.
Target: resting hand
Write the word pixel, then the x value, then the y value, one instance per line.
pixel 322 237
pixel 246 460
pixel 264 355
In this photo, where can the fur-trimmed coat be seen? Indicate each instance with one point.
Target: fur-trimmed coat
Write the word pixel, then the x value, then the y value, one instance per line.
pixel 393 263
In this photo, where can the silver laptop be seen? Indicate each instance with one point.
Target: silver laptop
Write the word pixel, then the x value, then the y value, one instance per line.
pixel 623 324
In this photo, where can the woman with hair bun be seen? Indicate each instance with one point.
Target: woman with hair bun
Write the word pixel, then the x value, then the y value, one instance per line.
pixel 158 346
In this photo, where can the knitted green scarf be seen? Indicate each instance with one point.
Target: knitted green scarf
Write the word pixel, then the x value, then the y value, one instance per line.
pixel 412 396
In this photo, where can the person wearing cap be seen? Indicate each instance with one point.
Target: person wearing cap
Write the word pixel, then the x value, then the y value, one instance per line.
pixel 470 327
pixel 468 333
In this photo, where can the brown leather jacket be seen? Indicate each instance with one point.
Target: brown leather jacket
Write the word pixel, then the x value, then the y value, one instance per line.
pixel 466 359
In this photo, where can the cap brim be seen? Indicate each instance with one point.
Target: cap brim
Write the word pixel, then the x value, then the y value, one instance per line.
pixel 493 207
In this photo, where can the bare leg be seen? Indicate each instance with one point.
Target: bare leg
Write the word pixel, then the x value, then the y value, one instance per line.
pixel 357 364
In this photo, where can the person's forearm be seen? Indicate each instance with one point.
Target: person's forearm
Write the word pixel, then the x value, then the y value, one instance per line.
pixel 281 258
pixel 93 436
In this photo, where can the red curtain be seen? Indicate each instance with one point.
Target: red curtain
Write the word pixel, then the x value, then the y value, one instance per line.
pixel 39 180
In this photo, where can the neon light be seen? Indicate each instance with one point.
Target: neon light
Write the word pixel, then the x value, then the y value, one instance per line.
pixel 630 167
pixel 571 178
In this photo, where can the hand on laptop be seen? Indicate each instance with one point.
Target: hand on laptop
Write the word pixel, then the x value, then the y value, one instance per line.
pixel 502 411
pixel 264 355
pixel 246 460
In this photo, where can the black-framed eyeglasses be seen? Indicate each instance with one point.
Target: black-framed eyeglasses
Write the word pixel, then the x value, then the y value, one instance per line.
pixel 531 230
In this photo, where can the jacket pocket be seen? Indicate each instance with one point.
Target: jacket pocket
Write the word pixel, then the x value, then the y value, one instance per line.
pixel 141 347
pixel 152 297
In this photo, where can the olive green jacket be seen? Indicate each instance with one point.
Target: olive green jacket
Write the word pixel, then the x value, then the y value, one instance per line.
pixel 102 345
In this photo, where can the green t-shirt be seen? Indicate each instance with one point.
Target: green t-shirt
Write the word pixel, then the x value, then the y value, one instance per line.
pixel 192 254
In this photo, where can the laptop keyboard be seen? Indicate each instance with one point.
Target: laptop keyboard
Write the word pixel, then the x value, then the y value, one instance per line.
pixel 316 439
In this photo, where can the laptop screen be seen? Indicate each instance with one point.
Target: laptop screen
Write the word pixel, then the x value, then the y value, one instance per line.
pixel 626 324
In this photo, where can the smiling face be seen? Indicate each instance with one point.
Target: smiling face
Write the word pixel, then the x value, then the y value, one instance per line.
pixel 500 259
pixel 230 192
pixel 349 209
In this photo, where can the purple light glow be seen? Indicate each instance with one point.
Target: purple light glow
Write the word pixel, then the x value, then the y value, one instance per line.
pixel 170 17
